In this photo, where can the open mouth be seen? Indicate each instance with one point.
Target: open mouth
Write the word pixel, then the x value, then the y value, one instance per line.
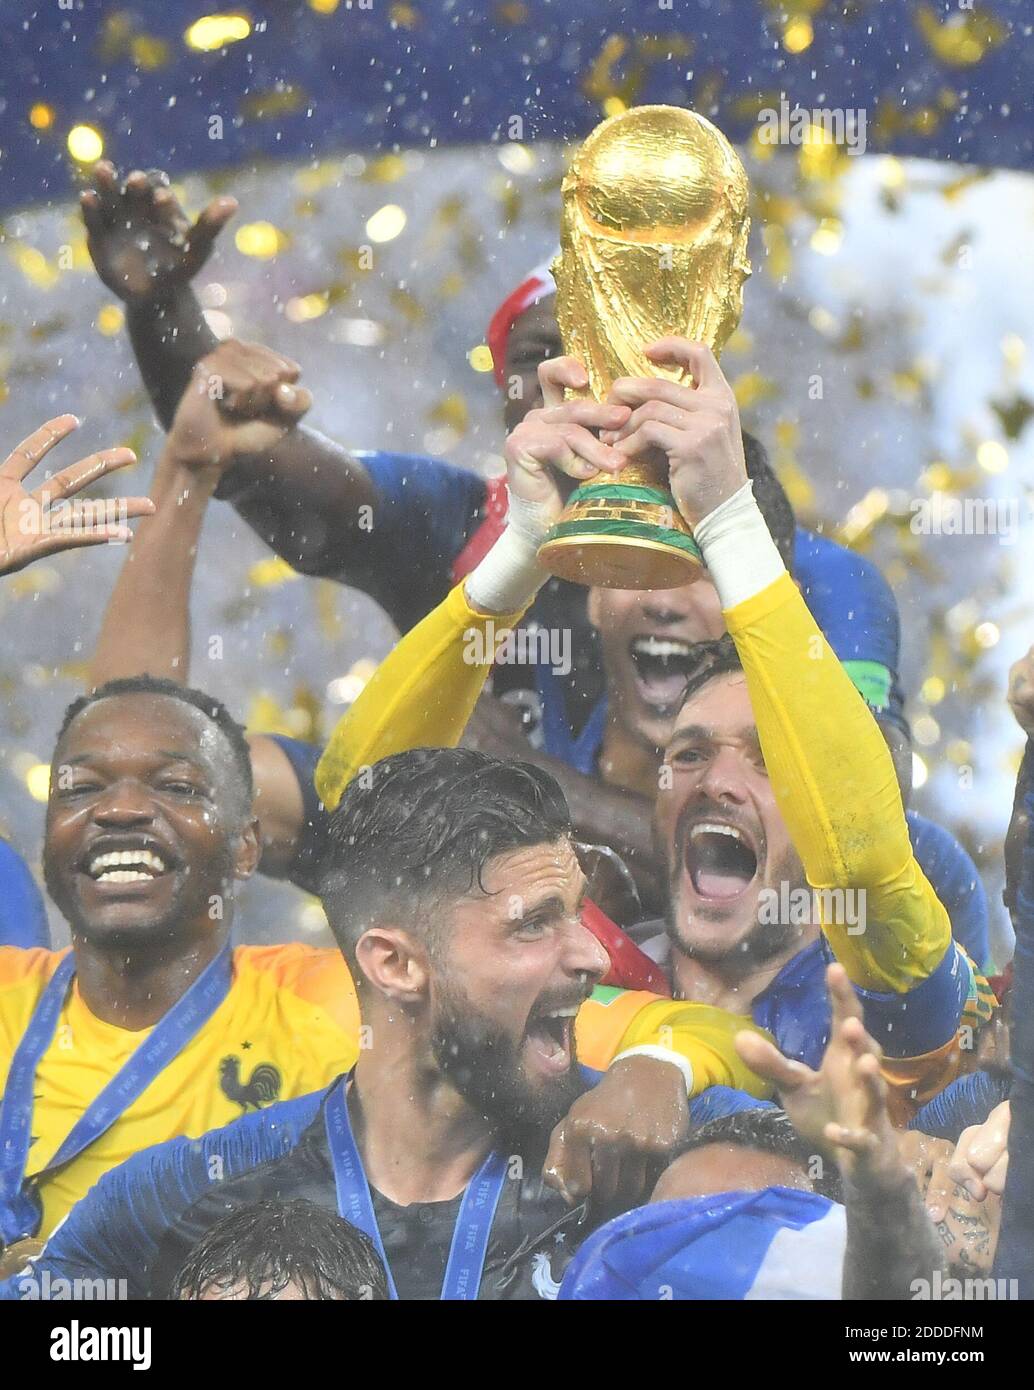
pixel 550 1038
pixel 661 666
pixel 126 866
pixel 720 860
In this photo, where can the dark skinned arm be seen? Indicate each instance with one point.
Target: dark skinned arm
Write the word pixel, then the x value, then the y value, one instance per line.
pixel 891 1241
pixel 158 573
pixel 302 494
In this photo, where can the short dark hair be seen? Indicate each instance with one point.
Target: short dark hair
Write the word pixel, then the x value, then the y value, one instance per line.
pixel 713 658
pixel 263 1247
pixel 214 709
pixel 771 498
pixel 770 1130
pixel 421 826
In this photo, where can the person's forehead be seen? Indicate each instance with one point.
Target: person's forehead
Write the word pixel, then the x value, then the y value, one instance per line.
pixel 729 1162
pixel 538 320
pixel 722 705
pixel 142 721
pixel 532 868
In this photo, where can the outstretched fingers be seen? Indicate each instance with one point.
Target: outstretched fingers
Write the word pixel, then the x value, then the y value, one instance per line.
pixel 23 459
pixel 79 475
pixel 202 235
pixel 765 1059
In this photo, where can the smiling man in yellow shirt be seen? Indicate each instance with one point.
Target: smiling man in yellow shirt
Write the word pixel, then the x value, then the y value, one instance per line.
pixel 152 1026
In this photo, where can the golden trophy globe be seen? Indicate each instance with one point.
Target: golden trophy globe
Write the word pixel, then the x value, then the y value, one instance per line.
pixel 653 243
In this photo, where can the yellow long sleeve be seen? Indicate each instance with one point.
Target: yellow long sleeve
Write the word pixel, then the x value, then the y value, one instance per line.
pixel 421 695
pixel 833 778
pixel 614 1020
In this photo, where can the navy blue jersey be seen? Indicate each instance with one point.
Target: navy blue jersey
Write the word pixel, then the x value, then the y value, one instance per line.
pixel 137 1223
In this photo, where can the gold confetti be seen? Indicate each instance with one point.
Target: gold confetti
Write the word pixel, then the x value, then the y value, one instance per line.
pixel 389 168
pixel 85 144
pixel 451 411
pixel 386 223
pixel 752 387
pixel 259 239
pixel 307 306
pixel 37 780
pixel 110 319
pixel 41 116
pixel 798 34
pixel 214 31
pixel 962 39
pixel 271 573
pixel 281 100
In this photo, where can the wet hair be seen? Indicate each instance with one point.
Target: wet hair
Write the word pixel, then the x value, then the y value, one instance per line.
pixel 713 658
pixel 258 1250
pixel 209 706
pixel 420 827
pixel 771 498
pixel 770 1131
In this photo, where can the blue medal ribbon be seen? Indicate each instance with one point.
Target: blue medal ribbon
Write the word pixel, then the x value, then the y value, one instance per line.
pixel 20 1211
pixel 470 1237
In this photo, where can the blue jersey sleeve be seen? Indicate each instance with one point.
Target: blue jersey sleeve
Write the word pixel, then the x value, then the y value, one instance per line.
pixel 957 883
pixel 426 512
pixel 23 917
pixel 114 1233
pixel 856 609
pixel 968 1100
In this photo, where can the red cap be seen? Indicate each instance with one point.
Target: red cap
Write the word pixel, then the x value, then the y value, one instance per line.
pixel 533 288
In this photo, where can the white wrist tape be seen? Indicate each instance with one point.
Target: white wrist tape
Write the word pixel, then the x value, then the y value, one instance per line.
pixel 510 576
pixel 738 548
pixel 662 1054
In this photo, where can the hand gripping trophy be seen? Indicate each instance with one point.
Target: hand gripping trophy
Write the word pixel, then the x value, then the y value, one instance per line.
pixel 653 243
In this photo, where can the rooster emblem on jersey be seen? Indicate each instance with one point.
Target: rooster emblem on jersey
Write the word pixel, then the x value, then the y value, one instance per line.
pixel 261 1088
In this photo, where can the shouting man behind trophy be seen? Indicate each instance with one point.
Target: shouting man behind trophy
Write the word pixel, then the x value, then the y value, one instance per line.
pixel 777 775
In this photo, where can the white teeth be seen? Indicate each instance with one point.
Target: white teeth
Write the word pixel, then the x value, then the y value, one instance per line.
pixel 126 858
pixel 563 1013
pixel 124 876
pixel 714 828
pixel 659 646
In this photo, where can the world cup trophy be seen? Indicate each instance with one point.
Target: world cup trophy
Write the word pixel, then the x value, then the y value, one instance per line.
pixel 653 243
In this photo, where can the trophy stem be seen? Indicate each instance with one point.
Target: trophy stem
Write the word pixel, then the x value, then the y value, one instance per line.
pixel 622 536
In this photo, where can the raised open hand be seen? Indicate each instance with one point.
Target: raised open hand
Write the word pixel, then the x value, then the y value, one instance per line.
pixel 41 522
pixel 142 243
pixel 842 1107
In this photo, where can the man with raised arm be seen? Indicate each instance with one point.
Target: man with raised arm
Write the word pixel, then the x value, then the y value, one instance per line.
pixel 780 782
pixel 305 496
pixel 422 695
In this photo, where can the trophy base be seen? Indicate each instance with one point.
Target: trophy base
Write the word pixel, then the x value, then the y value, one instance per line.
pixel 622 537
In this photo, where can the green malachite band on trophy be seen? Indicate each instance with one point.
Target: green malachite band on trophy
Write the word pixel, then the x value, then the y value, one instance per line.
pixel 612 494
pixel 628 530
pixel 606 492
